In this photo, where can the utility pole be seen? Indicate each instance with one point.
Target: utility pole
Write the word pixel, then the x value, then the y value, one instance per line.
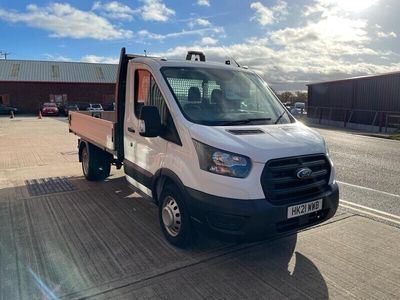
pixel 5 54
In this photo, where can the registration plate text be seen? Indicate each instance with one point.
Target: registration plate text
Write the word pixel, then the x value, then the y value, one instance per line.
pixel 305 208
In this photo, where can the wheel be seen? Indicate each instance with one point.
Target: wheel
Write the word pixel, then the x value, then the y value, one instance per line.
pixel 96 164
pixel 174 217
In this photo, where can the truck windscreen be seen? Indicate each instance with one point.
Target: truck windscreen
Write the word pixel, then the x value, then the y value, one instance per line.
pixel 223 97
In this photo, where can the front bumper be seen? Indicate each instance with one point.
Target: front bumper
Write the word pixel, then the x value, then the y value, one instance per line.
pixel 254 219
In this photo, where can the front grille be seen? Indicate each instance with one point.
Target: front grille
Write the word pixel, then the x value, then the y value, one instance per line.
pixel 280 182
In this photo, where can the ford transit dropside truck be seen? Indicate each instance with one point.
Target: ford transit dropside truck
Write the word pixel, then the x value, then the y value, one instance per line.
pixel 212 145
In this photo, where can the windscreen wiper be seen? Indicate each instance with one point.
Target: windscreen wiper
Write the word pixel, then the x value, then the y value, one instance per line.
pixel 280 117
pixel 244 121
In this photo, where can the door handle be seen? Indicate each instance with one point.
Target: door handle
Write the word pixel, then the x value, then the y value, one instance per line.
pixel 130 129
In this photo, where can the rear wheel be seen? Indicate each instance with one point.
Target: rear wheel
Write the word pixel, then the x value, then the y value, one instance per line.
pixel 174 217
pixel 96 164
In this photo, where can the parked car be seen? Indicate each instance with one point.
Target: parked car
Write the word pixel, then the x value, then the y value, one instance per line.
pixel 95 107
pixel 82 105
pixel 109 107
pixel 49 109
pixel 69 107
pixel 289 107
pixel 4 109
pixel 299 109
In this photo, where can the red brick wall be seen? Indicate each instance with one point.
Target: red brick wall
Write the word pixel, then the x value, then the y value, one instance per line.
pixel 27 96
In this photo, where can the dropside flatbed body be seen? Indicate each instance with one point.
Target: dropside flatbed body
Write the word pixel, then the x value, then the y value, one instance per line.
pixel 97 128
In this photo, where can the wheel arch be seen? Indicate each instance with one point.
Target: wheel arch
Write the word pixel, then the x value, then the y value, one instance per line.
pixel 161 178
pixel 81 144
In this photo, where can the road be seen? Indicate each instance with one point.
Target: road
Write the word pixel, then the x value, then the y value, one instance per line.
pixel 63 237
pixel 368 171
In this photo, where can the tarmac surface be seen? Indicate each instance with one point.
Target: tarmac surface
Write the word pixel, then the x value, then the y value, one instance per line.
pixel 62 237
pixel 367 169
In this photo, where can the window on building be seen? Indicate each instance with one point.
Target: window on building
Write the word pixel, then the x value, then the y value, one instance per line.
pixel 99 73
pixel 5 99
pixel 15 70
pixel 55 71
pixel 59 99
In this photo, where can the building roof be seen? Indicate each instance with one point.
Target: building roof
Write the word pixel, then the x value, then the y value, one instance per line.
pixel 356 78
pixel 56 71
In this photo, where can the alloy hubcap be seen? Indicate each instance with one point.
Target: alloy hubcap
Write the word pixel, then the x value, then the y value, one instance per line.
pixel 171 216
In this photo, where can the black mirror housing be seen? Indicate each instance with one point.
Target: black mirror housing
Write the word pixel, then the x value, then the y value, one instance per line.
pixel 151 121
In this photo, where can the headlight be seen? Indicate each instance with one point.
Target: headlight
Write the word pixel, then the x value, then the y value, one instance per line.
pixel 222 162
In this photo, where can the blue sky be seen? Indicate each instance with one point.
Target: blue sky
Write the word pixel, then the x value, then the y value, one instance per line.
pixel 290 43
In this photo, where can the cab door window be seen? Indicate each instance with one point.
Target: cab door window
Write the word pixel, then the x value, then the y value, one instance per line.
pixel 147 92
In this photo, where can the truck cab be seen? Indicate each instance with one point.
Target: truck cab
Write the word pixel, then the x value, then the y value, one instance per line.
pixel 213 147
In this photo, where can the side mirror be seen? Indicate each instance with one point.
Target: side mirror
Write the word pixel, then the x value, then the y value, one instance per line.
pixel 149 121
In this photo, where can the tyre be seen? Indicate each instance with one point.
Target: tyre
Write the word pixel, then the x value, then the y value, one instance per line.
pixel 174 217
pixel 96 163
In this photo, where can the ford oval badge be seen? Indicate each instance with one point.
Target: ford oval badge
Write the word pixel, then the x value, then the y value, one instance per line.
pixel 304 173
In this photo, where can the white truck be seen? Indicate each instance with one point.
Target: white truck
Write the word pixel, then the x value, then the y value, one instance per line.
pixel 212 146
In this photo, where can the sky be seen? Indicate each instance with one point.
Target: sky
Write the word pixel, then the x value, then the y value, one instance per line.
pixel 289 43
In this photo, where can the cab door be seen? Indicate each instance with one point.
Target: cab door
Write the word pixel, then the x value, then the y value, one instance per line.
pixel 143 155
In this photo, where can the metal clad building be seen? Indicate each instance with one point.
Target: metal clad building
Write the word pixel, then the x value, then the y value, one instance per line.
pixel 365 100
pixel 26 84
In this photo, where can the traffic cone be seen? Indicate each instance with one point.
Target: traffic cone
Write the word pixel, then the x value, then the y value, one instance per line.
pixel 40 114
pixel 11 114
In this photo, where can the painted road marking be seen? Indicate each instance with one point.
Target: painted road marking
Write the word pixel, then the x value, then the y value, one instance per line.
pixel 370 211
pixel 369 189
pixel 369 208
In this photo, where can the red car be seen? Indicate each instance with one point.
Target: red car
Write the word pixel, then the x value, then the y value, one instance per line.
pixel 49 109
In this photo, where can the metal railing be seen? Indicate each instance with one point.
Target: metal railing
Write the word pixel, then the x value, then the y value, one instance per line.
pixel 379 118
pixel 392 124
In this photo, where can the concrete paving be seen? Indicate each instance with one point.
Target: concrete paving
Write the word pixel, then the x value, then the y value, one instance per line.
pixel 62 237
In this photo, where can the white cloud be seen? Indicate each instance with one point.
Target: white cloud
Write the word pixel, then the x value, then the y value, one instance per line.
pixel 146 35
pixel 155 10
pixel 280 8
pixel 382 34
pixel 203 2
pixel 90 58
pixel 114 10
pixel 329 30
pixel 63 20
pixel 337 7
pixel 329 42
pixel 264 15
pixel 208 41
pixel 290 68
pixel 199 22
pixel 56 57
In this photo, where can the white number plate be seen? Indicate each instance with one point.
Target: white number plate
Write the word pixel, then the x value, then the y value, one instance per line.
pixel 303 209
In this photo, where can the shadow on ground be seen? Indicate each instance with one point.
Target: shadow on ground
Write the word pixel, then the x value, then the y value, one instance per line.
pixel 102 240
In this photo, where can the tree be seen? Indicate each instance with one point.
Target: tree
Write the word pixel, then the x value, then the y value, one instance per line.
pixel 289 97
pixel 286 97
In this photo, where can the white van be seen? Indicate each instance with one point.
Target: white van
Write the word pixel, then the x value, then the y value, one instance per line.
pixel 214 148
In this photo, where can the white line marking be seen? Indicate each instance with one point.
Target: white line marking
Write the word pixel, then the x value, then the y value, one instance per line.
pixel 369 189
pixel 371 209
pixel 371 214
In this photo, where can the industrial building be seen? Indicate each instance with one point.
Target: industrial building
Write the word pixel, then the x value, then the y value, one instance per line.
pixel 372 101
pixel 25 84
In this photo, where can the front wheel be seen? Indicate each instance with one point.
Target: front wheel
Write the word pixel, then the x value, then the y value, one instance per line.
pixel 174 217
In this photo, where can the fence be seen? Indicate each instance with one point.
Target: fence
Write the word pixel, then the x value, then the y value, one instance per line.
pixel 345 116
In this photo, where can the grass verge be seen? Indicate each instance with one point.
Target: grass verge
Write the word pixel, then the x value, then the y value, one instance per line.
pixel 395 136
